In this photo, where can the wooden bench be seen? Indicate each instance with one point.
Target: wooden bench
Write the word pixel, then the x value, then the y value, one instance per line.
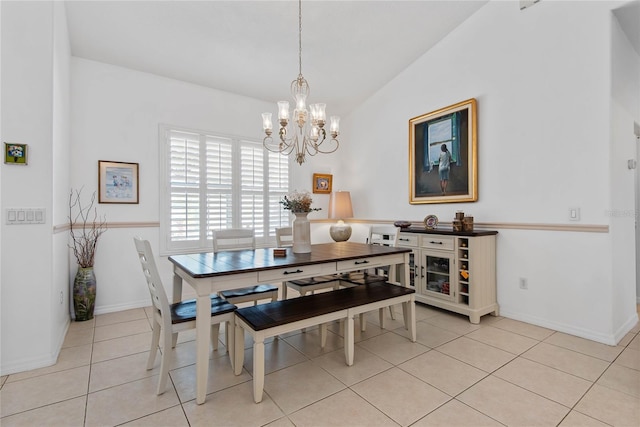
pixel 267 320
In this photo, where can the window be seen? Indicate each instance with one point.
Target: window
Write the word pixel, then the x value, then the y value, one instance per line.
pixel 212 182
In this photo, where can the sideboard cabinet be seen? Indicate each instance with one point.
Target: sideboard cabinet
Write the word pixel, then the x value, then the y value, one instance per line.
pixel 455 271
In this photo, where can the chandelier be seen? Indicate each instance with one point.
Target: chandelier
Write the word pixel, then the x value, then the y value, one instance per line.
pixel 308 132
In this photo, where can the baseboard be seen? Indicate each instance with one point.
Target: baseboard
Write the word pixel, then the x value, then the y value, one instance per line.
pixel 624 329
pixel 29 364
pixel 37 362
pixel 608 339
pixel 103 309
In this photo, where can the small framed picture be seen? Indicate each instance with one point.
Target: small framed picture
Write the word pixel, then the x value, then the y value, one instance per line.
pixel 117 182
pixel 322 183
pixel 15 154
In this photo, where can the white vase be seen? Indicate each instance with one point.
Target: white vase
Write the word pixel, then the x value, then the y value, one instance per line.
pixel 301 233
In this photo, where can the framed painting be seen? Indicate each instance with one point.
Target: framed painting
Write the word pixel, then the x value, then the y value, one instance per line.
pixel 322 183
pixel 15 154
pixel 117 182
pixel 443 155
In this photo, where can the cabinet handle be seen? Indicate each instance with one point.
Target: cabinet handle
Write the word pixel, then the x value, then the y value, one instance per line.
pixel 361 262
pixel 293 272
pixel 422 271
pixel 404 240
pixel 435 243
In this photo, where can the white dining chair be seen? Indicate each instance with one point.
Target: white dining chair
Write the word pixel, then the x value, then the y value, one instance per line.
pixel 233 239
pixel 170 319
pixel 284 239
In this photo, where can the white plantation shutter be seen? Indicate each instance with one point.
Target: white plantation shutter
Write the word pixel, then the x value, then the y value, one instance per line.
pixel 252 185
pixel 219 190
pixel 213 182
pixel 184 177
pixel 278 166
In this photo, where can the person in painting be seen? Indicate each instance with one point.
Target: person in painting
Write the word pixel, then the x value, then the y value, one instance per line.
pixel 444 165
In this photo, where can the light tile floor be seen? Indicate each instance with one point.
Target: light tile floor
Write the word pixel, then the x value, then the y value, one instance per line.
pixel 501 372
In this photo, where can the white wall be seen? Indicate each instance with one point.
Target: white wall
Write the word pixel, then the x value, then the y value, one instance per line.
pixel 34 94
pixel 625 110
pixel 61 288
pixel 115 115
pixel 542 79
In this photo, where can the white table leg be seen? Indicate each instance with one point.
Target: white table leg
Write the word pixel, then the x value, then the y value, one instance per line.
pixel 203 323
pixel 349 340
pixel 177 297
pixel 258 368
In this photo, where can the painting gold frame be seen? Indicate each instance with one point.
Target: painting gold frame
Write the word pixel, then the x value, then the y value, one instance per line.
pixel 453 127
pixel 118 182
pixel 322 183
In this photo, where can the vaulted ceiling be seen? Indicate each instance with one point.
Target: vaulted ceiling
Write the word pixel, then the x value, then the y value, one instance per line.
pixel 349 48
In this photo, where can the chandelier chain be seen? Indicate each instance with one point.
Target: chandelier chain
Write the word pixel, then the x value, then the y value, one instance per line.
pixel 300 37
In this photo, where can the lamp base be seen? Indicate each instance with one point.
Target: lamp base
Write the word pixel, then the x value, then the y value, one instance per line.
pixel 340 232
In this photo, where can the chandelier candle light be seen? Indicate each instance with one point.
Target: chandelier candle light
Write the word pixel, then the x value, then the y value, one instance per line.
pixel 309 135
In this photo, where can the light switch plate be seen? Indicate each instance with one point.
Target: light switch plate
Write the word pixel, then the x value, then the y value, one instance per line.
pixel 574 214
pixel 16 216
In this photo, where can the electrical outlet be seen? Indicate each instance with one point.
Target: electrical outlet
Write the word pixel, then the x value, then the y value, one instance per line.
pixel 61 297
pixel 523 283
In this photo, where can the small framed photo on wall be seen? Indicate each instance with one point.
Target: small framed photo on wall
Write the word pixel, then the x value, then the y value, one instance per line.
pixel 322 183
pixel 117 182
pixel 15 154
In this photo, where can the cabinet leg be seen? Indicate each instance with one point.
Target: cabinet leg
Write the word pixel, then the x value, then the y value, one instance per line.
pixel 474 318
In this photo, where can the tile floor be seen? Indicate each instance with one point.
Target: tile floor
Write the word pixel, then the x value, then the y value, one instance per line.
pixel 501 372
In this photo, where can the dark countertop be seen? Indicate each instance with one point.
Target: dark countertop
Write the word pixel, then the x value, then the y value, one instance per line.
pixel 448 232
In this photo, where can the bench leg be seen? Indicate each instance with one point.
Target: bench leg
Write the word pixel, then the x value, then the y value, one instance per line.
pixel 323 335
pixel 349 340
pixel 239 350
pixel 381 317
pixel 258 369
pixel 409 312
pixel 230 338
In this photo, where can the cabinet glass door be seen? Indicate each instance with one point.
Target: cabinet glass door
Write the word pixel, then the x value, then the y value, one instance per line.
pixel 413 279
pixel 438 269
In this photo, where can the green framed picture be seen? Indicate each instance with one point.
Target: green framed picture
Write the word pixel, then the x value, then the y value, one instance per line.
pixel 15 154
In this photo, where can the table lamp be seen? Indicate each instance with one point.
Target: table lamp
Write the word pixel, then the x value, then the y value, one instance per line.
pixel 340 208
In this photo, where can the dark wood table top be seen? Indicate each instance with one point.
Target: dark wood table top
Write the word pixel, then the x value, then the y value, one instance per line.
pixel 209 264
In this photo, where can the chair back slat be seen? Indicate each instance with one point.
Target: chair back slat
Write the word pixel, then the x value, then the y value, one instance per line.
pixel 156 289
pixel 284 237
pixel 234 239
pixel 384 235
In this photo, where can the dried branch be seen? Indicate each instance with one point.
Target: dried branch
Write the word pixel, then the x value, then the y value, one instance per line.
pixel 86 227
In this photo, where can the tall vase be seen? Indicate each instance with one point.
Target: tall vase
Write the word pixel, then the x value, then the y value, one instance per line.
pixel 301 233
pixel 84 293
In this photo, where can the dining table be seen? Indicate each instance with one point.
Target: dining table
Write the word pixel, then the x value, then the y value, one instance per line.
pixel 210 273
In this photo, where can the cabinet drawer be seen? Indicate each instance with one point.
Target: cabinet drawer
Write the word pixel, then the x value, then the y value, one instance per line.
pixel 407 240
pixel 370 262
pixel 438 242
pixel 291 273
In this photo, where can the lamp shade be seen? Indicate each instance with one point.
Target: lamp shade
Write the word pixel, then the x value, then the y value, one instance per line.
pixel 340 205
